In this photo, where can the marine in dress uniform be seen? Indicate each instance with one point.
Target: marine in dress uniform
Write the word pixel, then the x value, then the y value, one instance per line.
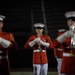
pixel 67 39
pixel 39 42
pixel 58 52
pixel 7 42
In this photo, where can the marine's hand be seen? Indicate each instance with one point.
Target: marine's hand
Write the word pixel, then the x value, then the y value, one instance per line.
pixel 37 40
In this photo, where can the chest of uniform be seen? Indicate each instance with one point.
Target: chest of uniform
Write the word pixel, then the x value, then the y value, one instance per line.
pixel 43 38
pixel 5 36
pixel 67 42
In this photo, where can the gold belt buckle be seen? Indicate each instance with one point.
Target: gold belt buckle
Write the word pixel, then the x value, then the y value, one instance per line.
pixel 72 54
pixel 40 50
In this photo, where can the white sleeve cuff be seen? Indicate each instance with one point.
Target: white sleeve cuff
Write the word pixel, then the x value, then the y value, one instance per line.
pixel 5 43
pixel 31 44
pixel 44 44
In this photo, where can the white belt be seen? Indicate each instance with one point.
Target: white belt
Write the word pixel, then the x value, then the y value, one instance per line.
pixel 39 51
pixel 59 49
pixel 3 57
pixel 68 54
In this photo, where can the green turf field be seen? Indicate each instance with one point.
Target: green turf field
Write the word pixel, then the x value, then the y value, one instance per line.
pixel 30 73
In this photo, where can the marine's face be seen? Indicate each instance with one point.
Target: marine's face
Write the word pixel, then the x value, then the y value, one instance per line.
pixel 39 31
pixel 69 23
pixel 1 24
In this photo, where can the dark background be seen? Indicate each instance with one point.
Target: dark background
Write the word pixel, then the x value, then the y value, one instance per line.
pixel 20 17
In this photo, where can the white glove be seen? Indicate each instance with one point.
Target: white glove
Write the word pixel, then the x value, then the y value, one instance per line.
pixel 44 43
pixel 32 43
pixel 72 28
pixel 5 43
pixel 65 35
pixel 37 40
pixel 69 33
